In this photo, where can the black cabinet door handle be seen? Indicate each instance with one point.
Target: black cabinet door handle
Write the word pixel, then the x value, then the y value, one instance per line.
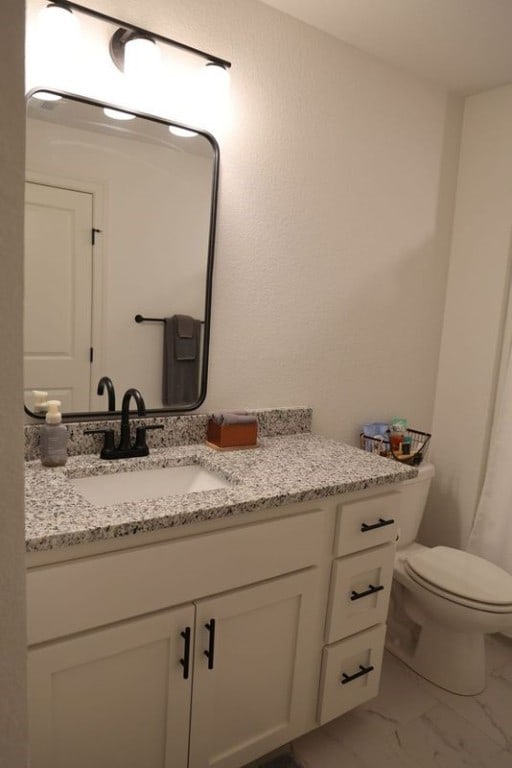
pixel 185 661
pixel 362 671
pixel 370 591
pixel 210 653
pixel 365 527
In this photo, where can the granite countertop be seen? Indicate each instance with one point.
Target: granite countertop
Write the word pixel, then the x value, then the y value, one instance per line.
pixel 281 470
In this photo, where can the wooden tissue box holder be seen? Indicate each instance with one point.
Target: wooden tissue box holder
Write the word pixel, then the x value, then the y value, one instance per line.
pixel 232 435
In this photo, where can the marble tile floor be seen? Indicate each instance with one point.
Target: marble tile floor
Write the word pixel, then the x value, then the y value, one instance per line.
pixel 414 724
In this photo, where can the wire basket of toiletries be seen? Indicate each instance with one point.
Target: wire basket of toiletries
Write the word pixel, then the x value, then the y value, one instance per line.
pixel 395 441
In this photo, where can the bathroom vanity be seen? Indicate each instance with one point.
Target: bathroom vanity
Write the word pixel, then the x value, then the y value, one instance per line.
pixel 208 628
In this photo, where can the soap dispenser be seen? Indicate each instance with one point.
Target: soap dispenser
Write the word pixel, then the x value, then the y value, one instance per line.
pixel 54 437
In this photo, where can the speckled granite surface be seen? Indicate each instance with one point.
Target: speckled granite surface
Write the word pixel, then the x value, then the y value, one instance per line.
pixel 282 470
pixel 177 430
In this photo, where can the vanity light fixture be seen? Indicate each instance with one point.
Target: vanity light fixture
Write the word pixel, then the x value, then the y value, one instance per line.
pixel 128 42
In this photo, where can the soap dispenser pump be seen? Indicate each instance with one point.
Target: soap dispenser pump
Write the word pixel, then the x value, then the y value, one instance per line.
pixel 54 437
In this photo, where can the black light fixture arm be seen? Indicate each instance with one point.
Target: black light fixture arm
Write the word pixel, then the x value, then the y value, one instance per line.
pixel 143 32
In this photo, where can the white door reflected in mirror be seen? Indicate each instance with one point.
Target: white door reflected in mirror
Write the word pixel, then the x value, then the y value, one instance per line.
pixel 58 294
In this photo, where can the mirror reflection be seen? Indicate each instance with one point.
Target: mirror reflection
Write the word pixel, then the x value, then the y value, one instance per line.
pixel 119 225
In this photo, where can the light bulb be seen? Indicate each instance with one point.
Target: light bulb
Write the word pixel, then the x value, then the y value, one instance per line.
pixel 58 24
pixel 141 58
pixel 215 79
pixel 212 97
pixel 46 96
pixel 185 132
pixel 117 114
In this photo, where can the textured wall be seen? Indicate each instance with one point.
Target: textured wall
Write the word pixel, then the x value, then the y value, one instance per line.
pixel 334 220
pixel 477 296
pixel 12 606
pixel 335 208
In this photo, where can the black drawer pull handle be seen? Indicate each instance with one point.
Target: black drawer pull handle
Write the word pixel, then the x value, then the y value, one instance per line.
pixel 185 661
pixel 370 591
pixel 365 527
pixel 210 626
pixel 362 671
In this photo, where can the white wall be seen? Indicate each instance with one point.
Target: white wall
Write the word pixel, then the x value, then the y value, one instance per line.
pixel 477 297
pixel 334 219
pixel 12 605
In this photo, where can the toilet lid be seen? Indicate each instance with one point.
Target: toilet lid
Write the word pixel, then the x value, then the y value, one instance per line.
pixel 457 599
pixel 462 574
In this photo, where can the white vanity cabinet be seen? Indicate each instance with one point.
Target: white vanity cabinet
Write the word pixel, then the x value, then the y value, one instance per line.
pixel 121 696
pixel 258 614
pixel 117 694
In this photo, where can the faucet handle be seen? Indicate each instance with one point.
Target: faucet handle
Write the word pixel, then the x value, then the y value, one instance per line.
pixel 106 432
pixel 140 434
pixel 108 443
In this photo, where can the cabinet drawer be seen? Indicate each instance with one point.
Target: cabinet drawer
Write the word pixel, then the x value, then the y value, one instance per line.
pixel 71 597
pixel 360 589
pixel 366 523
pixel 350 672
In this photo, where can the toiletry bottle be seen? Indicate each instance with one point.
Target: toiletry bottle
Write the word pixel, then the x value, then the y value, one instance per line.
pixel 40 401
pixel 398 428
pixel 53 437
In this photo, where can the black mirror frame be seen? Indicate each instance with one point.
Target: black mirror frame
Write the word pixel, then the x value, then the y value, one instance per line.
pixel 92 415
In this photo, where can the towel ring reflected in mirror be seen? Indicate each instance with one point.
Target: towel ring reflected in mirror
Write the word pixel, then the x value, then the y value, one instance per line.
pixel 155 242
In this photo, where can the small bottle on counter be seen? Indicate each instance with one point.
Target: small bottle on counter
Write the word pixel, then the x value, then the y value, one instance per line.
pixel 398 428
pixel 53 439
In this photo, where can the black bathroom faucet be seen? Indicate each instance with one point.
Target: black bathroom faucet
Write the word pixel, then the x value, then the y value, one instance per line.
pixel 126 449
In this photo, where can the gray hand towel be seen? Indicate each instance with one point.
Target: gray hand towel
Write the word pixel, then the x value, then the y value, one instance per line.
pixel 181 360
pixel 185 339
pixel 185 325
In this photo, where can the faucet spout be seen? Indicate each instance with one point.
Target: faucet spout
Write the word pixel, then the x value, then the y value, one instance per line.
pixel 106 382
pixel 124 443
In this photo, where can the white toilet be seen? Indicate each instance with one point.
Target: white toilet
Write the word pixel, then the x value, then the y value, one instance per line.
pixel 443 601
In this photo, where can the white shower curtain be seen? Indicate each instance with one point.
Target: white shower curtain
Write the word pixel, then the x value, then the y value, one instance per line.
pixel 491 536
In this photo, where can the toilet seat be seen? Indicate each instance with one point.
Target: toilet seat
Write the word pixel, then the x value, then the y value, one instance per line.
pixel 462 578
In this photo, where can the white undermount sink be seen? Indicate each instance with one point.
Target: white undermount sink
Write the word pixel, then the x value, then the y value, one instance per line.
pixel 105 490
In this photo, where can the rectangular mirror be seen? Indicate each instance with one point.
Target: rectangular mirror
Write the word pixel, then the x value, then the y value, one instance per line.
pixel 120 223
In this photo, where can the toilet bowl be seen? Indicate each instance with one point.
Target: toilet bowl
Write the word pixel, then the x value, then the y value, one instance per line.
pixel 443 602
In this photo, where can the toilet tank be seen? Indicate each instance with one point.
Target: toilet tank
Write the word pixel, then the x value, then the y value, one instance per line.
pixel 413 497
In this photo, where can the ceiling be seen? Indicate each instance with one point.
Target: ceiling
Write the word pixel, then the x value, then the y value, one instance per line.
pixel 463 45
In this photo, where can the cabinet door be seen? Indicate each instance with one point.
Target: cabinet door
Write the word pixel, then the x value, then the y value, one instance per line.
pixel 112 698
pixel 253 691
